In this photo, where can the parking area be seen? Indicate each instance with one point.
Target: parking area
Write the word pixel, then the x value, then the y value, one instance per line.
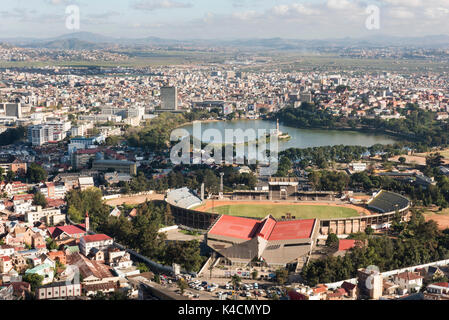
pixel 223 289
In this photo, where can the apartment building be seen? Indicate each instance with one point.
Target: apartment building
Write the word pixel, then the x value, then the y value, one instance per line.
pixel 97 241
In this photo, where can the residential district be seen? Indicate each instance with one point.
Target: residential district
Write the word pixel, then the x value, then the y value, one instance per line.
pixel 92 207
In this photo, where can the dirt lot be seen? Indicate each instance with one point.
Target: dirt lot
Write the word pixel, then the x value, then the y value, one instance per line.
pixel 133 200
pixel 441 219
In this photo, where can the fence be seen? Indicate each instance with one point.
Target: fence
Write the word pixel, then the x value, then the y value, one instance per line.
pixel 393 272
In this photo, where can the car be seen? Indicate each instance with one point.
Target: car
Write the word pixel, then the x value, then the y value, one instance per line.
pixel 256 286
pixel 247 294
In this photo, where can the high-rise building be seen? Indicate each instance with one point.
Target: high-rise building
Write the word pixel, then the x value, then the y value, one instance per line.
pixel 169 98
pixel 370 283
pixel 38 135
pixel 13 109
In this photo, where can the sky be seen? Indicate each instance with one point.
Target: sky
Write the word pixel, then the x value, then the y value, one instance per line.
pixel 227 19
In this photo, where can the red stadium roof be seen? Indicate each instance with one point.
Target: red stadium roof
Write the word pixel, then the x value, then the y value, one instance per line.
pixel 269 229
pixel 296 229
pixel 235 227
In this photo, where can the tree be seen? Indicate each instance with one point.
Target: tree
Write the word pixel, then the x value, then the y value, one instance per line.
pixel 142 267
pixel 396 225
pixel 35 280
pixel 402 160
pixel 182 285
pixel 211 182
pixel 434 160
pixel 369 231
pixel 74 214
pixel 99 295
pixel 254 274
pixel 10 176
pixel 51 244
pixel 281 276
pixel 12 135
pixel 120 295
pixel 35 173
pixel 169 219
pixel 236 280
pixel 185 253
pixel 39 200
pixel 332 240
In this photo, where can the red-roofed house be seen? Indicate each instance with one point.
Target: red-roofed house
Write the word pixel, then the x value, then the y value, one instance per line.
pixel 337 295
pixel 293 295
pixel 409 281
pixel 345 244
pixel 350 288
pixel 5 264
pixel 438 288
pixel 67 234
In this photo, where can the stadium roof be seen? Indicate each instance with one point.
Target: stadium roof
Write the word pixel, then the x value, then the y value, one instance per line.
pixel 183 198
pixel 268 229
pixel 386 201
pixel 235 227
pixel 296 229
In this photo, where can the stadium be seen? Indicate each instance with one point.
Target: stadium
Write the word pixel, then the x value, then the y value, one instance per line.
pixel 280 225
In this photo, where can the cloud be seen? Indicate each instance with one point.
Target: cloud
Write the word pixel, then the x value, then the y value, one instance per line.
pixel 404 3
pixel 61 2
pixel 435 13
pixel 295 8
pixel 339 4
pixel 246 15
pixel 151 5
pixel 401 13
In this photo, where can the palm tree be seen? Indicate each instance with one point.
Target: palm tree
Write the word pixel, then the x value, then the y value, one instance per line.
pixel 182 285
pixel 236 281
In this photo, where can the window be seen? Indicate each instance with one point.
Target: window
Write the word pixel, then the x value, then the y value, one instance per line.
pixel 296 245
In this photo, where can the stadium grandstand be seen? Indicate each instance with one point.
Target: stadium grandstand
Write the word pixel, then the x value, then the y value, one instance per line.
pixel 276 243
pixel 386 201
pixel 183 198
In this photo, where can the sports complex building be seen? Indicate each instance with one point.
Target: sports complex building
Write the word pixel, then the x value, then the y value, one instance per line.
pixel 282 241
pixel 277 243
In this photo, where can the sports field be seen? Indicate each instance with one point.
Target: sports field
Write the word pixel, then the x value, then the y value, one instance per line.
pixel 277 211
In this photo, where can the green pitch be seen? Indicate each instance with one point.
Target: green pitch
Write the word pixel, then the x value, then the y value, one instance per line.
pixel 277 211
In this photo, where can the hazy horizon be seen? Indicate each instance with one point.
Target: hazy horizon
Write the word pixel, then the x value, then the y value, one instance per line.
pixel 226 19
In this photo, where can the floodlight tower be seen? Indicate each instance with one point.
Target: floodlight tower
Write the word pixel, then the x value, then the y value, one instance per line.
pixel 221 185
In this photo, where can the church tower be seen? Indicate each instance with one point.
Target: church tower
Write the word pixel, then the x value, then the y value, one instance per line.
pixel 87 222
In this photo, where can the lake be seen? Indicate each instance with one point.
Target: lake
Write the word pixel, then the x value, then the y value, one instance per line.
pixel 300 138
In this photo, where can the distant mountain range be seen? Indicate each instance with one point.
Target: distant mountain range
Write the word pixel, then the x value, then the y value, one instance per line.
pixel 88 40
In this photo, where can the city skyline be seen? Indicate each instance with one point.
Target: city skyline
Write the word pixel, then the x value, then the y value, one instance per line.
pixel 226 19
